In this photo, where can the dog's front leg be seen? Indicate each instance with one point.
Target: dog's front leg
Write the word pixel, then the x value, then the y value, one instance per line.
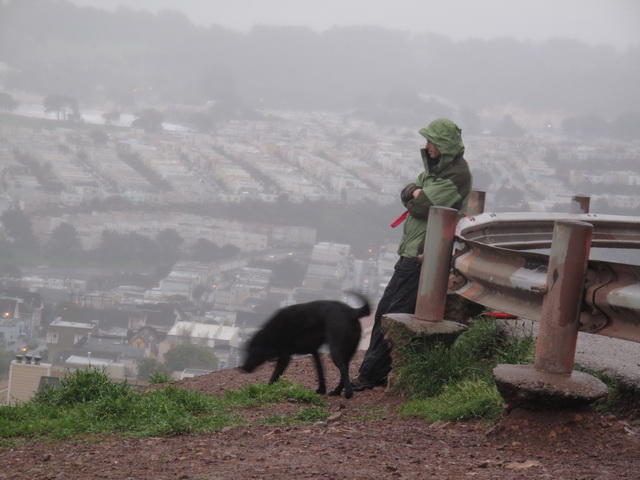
pixel 322 387
pixel 281 366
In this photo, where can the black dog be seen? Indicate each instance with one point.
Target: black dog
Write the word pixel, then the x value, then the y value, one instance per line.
pixel 302 329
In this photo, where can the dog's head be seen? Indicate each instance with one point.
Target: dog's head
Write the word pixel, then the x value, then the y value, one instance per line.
pixel 255 354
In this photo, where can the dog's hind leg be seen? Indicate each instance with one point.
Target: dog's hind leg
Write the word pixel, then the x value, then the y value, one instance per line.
pixel 281 366
pixel 322 387
pixel 341 356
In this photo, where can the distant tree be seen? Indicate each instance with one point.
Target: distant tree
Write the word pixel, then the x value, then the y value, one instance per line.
pixel 198 291
pixel 161 271
pixel 7 103
pixel 65 107
pixel 289 273
pixel 205 250
pixel 64 242
pixel 150 366
pixel 112 247
pixel 141 249
pixel 17 226
pixel 229 251
pixel 186 355
pixel 131 248
pixel 169 242
pixel 42 171
pixel 149 119
pixel 67 311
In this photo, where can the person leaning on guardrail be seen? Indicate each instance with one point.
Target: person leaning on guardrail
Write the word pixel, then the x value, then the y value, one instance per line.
pixel 446 182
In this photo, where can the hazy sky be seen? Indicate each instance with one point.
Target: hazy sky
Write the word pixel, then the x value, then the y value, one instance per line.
pixel 608 22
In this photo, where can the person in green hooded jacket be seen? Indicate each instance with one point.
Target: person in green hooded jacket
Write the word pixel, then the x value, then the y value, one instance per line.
pixel 446 182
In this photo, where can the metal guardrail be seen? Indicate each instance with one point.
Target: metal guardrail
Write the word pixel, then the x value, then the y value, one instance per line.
pixel 495 264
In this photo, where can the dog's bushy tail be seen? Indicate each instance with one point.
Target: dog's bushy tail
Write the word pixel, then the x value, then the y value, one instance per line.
pixel 365 309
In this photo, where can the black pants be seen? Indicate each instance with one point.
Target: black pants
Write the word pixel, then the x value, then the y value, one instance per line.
pixel 400 296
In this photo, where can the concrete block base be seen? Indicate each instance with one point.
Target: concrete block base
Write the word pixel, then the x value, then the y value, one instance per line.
pixel 402 329
pixel 525 386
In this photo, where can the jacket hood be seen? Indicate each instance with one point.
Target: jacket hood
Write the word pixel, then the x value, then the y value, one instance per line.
pixel 447 136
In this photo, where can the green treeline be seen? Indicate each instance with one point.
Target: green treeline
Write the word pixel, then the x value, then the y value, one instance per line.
pixel 363 226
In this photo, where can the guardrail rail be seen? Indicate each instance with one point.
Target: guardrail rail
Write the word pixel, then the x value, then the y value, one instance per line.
pixel 497 263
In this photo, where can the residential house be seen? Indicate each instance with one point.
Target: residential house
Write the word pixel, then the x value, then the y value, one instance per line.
pixel 11 325
pixel 63 335
pixel 147 339
pixel 26 374
pixel 221 339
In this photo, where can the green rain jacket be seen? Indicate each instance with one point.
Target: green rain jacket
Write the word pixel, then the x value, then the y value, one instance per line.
pixel 445 182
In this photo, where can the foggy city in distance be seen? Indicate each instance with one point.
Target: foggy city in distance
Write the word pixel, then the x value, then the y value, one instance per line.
pixel 234 157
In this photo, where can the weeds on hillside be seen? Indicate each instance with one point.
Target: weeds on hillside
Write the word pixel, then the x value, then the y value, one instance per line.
pixel 456 383
pixel 158 376
pixel 87 402
pixel 446 384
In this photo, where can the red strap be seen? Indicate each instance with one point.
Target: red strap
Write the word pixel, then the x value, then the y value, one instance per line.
pixel 399 220
pixel 499 315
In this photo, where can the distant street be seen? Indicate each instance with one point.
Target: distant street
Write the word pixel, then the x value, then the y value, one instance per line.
pixel 80 273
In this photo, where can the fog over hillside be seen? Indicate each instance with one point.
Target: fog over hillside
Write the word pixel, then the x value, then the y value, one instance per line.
pixel 127 56
pixel 595 22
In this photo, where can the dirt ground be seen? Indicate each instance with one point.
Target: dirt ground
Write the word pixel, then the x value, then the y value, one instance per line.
pixel 364 439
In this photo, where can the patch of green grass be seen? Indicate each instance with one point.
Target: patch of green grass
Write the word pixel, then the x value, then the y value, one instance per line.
pixel 263 394
pixel 464 400
pixel 87 402
pixel 456 383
